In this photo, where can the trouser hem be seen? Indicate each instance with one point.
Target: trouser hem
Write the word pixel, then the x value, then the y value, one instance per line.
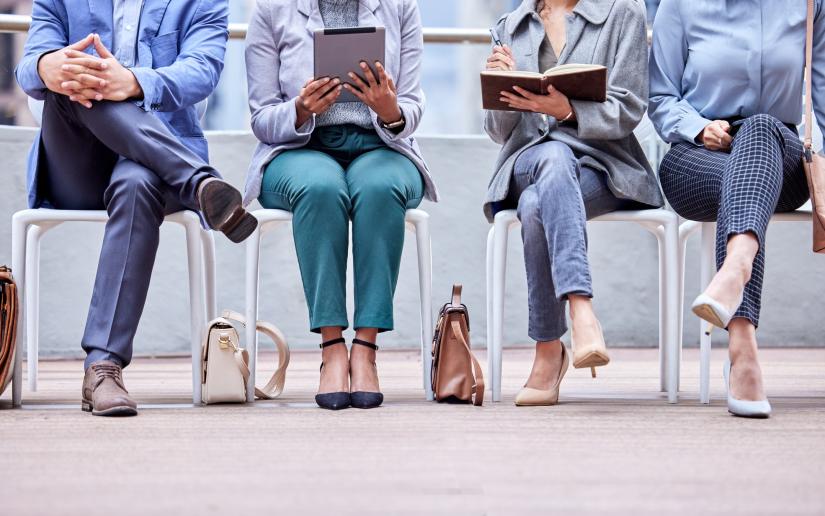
pixel 96 355
pixel 316 323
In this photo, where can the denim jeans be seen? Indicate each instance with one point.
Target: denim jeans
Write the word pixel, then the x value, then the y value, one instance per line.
pixel 556 196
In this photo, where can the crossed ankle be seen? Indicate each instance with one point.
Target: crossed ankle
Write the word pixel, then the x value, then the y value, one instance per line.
pixel 739 266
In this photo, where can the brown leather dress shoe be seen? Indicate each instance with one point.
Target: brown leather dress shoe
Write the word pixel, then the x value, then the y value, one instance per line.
pixel 104 393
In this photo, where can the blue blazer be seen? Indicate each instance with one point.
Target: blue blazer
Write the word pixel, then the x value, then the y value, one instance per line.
pixel 180 52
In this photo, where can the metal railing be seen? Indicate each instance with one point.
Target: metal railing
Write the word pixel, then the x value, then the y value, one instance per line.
pixel 19 23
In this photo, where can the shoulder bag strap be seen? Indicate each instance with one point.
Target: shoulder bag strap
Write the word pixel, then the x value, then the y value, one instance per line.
pixel 809 45
pixel 478 375
pixel 275 386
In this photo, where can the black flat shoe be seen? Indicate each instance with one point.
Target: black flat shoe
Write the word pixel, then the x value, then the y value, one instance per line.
pixel 333 400
pixel 366 400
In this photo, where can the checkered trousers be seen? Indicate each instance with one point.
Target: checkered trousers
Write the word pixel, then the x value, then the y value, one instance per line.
pixel 761 175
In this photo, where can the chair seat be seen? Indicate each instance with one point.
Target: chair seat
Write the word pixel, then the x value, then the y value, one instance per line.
pixel 265 216
pixel 44 215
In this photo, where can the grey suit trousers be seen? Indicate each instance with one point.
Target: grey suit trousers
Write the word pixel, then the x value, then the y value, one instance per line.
pixel 116 156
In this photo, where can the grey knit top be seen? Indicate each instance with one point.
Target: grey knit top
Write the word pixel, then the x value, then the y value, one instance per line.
pixel 338 14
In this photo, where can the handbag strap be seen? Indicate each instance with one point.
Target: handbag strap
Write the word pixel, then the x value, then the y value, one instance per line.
pixel 478 375
pixel 275 386
pixel 809 44
pixel 456 301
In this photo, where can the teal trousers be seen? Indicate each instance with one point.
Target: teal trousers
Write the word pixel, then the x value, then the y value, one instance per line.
pixel 346 173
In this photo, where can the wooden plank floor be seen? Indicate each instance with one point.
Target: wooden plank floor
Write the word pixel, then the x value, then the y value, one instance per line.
pixel 613 446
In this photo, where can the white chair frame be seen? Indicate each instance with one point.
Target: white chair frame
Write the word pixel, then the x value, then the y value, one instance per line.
pixel 28 228
pixel 663 224
pixel 416 220
pixel 707 267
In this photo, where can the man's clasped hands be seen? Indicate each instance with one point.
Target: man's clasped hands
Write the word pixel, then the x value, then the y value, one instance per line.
pixel 84 77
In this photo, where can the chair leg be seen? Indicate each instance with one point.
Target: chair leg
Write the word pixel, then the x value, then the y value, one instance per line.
pixel 707 266
pixel 674 351
pixel 425 267
pixel 32 302
pixel 253 253
pixel 680 296
pixel 501 228
pixel 18 261
pixel 209 274
pixel 198 309
pixel 659 232
pixel 489 280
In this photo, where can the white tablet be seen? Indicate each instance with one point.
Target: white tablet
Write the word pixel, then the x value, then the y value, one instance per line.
pixel 340 51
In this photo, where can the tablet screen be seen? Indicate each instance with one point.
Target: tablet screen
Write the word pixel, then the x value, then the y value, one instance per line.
pixel 340 51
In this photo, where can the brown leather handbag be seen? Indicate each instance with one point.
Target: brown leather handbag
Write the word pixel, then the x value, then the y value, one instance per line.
pixel 814 163
pixel 456 374
pixel 9 307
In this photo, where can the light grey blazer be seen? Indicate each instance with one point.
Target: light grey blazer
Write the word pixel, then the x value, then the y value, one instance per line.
pixel 612 33
pixel 279 61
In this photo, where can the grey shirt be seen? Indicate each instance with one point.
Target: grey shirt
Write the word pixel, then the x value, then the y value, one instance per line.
pixel 547 56
pixel 338 14
pixel 125 23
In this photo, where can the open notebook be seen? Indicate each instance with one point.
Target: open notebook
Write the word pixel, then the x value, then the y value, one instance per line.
pixel 577 81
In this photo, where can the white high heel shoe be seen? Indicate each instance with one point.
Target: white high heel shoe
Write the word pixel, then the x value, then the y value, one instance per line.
pixel 713 311
pixel 755 409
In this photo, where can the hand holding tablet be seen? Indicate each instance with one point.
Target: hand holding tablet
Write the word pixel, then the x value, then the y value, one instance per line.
pixel 354 56
pixel 376 92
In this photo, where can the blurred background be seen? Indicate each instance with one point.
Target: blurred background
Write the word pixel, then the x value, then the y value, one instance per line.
pixel 447 67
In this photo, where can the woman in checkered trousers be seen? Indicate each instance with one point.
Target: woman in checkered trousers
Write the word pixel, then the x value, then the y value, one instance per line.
pixel 726 92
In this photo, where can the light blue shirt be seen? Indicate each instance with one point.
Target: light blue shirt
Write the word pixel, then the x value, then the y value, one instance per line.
pixel 720 59
pixel 125 23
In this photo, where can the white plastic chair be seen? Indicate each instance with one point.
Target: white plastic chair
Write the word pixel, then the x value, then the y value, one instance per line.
pixel 663 224
pixel 707 269
pixel 28 228
pixel 417 221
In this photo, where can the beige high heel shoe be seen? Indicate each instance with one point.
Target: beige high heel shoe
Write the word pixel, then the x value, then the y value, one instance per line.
pixel 589 354
pixel 529 397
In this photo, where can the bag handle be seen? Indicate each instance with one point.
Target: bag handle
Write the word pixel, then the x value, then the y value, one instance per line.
pixel 809 44
pixel 456 294
pixel 275 386
pixel 478 375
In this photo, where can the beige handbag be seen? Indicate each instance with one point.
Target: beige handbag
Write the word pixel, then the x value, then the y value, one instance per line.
pixel 225 365
pixel 814 163
pixel 9 310
pixel 456 374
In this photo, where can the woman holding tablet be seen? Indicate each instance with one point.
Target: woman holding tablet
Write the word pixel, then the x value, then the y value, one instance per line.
pixel 564 161
pixel 726 81
pixel 331 163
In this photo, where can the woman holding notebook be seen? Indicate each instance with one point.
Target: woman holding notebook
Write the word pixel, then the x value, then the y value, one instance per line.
pixel 331 163
pixel 564 160
pixel 726 92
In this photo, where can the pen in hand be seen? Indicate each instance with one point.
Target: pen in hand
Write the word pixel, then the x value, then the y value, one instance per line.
pixel 496 39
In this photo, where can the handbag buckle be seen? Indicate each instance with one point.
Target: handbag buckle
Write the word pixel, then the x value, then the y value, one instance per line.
pixel 224 341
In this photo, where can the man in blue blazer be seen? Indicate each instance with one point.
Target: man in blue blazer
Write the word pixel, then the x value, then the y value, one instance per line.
pixel 120 131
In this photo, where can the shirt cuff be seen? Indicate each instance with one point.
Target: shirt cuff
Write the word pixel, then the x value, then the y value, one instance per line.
pixel 149 82
pixel 309 125
pixel 36 79
pixel 691 126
